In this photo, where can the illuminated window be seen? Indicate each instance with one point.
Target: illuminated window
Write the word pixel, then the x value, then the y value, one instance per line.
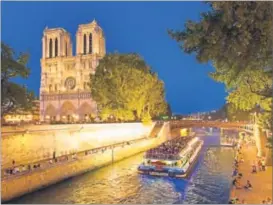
pixel 84 44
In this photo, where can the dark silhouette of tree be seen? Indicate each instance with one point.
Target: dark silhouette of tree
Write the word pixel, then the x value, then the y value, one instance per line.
pixel 14 96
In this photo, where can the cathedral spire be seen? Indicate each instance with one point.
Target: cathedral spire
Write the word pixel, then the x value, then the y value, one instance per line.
pixel 94 21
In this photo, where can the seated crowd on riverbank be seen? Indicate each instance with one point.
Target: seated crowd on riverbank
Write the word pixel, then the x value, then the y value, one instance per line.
pixel 19 169
pixel 258 165
pixel 170 149
pixel 22 169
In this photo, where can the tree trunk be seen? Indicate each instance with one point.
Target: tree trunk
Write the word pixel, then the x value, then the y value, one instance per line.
pixel 260 139
pixel 268 157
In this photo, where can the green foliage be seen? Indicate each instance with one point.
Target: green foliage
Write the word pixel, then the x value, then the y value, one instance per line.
pixel 169 110
pixel 146 118
pixel 14 96
pixel 126 88
pixel 237 38
pixel 265 120
pixel 236 35
pixel 235 114
pixel 269 142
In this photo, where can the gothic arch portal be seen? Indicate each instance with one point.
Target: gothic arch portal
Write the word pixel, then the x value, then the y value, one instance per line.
pixel 85 110
pixel 50 111
pixel 67 109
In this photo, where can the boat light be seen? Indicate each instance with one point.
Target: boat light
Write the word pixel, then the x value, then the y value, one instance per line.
pixel 193 141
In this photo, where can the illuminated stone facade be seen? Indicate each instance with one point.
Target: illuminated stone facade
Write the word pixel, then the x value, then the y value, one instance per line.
pixel 64 91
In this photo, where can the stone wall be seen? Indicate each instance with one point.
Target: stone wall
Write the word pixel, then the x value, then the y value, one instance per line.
pixel 33 143
pixel 17 186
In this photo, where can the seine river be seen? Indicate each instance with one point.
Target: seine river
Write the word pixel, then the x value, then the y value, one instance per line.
pixel 121 184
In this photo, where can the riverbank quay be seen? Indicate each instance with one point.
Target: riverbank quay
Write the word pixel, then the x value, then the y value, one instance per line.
pixel 18 182
pixel 261 181
pixel 18 185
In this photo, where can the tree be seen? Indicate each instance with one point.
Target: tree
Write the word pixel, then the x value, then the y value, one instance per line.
pixel 169 110
pixel 234 114
pixel 236 37
pixel 13 95
pixel 125 87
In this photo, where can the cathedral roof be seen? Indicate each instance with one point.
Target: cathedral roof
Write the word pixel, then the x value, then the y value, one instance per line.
pixel 54 29
pixel 91 24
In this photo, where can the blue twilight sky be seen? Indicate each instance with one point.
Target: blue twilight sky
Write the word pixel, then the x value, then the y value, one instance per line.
pixel 139 27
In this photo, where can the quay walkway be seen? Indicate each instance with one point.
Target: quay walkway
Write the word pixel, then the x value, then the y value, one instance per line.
pixel 261 181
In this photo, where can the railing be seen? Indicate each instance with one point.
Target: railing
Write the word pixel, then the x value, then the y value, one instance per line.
pixel 187 123
pixel 158 156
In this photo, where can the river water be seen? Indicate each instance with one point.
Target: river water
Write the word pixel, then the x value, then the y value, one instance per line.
pixel 121 184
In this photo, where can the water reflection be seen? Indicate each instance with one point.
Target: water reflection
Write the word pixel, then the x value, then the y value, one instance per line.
pixel 120 183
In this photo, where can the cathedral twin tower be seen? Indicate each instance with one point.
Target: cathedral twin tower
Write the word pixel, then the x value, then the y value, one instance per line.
pixel 64 91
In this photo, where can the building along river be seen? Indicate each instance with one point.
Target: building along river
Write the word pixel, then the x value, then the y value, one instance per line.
pixel 121 184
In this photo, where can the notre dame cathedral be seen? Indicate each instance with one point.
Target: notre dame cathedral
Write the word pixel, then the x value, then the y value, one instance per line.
pixel 64 91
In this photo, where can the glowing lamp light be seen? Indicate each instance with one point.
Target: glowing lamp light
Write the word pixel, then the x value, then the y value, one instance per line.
pixel 75 116
pixel 64 117
pixel 47 117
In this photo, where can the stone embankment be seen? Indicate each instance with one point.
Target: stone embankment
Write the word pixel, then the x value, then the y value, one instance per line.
pixel 35 143
pixel 50 171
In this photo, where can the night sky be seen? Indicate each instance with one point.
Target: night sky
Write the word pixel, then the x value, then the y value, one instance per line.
pixel 139 27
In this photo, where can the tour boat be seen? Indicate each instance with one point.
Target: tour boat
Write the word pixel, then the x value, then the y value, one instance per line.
pixel 173 158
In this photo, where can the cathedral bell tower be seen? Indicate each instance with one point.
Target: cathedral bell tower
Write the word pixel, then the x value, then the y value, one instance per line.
pixel 64 92
pixel 56 43
pixel 90 39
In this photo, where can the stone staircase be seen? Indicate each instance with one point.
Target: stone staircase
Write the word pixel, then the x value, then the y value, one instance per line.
pixel 156 129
